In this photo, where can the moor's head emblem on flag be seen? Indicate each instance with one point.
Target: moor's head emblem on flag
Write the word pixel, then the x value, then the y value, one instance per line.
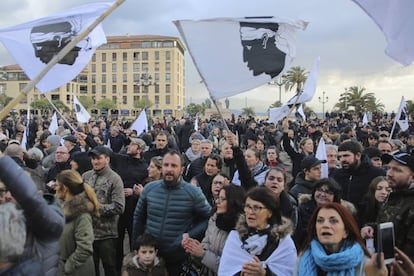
pixel 49 39
pixel 77 107
pixel 262 48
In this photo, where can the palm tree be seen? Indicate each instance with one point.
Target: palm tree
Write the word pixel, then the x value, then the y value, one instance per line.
pixel 357 98
pixel 275 104
pixel 295 77
pixel 248 111
pixel 410 108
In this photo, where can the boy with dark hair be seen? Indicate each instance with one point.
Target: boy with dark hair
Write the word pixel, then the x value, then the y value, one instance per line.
pixel 144 260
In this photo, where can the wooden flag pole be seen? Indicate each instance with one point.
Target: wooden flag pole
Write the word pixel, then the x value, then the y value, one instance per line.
pixel 221 114
pixel 57 58
pixel 61 115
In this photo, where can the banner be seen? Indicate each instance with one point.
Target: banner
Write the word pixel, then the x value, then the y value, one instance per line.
pixel 35 43
pixel 53 124
pixel 321 155
pixel 234 55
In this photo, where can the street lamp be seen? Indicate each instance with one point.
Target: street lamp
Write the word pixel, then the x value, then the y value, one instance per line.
pixel 146 81
pixel 323 100
pixel 280 82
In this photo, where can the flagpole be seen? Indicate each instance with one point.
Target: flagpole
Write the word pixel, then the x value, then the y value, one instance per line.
pixel 61 115
pixel 57 58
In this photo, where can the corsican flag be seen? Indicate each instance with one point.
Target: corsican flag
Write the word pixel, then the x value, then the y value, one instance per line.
pixel 141 123
pixel 402 115
pixel 309 88
pixel 321 155
pixel 249 51
pixel 396 21
pixel 53 124
pixel 23 144
pixel 82 114
pixel 301 112
pixel 196 123
pixel 35 43
pixel 278 113
pixel 365 119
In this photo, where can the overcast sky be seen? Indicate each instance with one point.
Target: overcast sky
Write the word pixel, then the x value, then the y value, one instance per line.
pixel 350 45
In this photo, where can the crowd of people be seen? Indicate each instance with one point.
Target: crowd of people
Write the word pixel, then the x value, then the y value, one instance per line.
pixel 238 197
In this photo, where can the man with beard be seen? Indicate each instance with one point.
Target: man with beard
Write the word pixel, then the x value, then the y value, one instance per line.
pixel 356 173
pixel 399 207
pixel 170 209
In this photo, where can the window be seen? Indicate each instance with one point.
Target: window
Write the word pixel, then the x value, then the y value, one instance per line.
pixel 55 97
pixel 103 89
pixel 93 78
pixel 93 57
pixel 113 77
pixel 136 77
pixel 104 78
pixel 157 66
pixel 124 78
pixel 145 67
pixel 103 57
pixel 136 89
pixel 167 99
pixel 167 66
pixel 113 56
pixel 93 68
pixel 136 99
pixel 157 99
pixel 157 77
pixel 157 88
pixel 167 77
pixel 114 89
pixel 67 98
pixel 124 67
pixel 167 88
pixel 157 55
pixel 93 89
pixel 124 99
pixel 168 55
pixel 124 56
pixel 145 55
pixel 124 89
pixel 136 55
pixel 103 67
pixel 114 67
pixel 136 67
pixel 114 99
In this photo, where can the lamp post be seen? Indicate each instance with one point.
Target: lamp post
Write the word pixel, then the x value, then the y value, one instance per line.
pixel 323 100
pixel 146 81
pixel 280 82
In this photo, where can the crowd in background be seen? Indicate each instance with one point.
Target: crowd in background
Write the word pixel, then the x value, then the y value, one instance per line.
pixel 244 197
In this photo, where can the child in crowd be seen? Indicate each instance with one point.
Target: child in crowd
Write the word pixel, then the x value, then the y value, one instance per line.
pixel 144 260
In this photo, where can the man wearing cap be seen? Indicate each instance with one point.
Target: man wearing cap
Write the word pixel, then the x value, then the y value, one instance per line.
pixel 399 207
pixel 305 180
pixel 71 143
pixel 383 135
pixel 356 173
pixel 109 190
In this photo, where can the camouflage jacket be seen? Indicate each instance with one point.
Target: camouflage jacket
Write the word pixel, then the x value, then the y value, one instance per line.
pixel 399 209
pixel 109 190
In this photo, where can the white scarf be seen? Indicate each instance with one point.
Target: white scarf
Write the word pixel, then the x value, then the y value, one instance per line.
pixel 281 262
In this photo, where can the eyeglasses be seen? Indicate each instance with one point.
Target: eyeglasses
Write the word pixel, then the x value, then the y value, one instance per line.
pixel 328 192
pixel 255 209
pixel 3 190
pixel 220 183
pixel 61 152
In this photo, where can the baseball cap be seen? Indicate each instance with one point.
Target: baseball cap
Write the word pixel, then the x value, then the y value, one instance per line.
pixel 401 157
pixel 384 133
pixel 310 161
pixel 100 150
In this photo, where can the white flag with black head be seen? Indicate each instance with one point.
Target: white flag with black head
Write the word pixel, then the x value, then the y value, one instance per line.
pixel 82 114
pixel 140 125
pixel 402 115
pixel 35 43
pixel 249 52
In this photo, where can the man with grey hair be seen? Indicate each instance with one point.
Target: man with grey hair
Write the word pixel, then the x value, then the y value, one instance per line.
pixel 12 241
pixel 332 157
pixel 196 167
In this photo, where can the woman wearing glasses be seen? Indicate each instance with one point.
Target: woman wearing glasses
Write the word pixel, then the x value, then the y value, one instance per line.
pixel 261 243
pixel 229 206
pixel 325 190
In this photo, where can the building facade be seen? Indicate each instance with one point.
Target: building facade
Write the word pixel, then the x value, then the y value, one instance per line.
pixel 132 71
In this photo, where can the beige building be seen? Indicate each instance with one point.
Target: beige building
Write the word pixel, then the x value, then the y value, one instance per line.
pixel 128 69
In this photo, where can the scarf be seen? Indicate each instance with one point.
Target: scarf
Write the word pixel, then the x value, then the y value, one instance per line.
pixel 191 155
pixel 256 241
pixel 342 263
pixel 258 168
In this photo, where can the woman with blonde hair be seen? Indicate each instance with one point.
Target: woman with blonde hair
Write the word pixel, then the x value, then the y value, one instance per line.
pixel 79 205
